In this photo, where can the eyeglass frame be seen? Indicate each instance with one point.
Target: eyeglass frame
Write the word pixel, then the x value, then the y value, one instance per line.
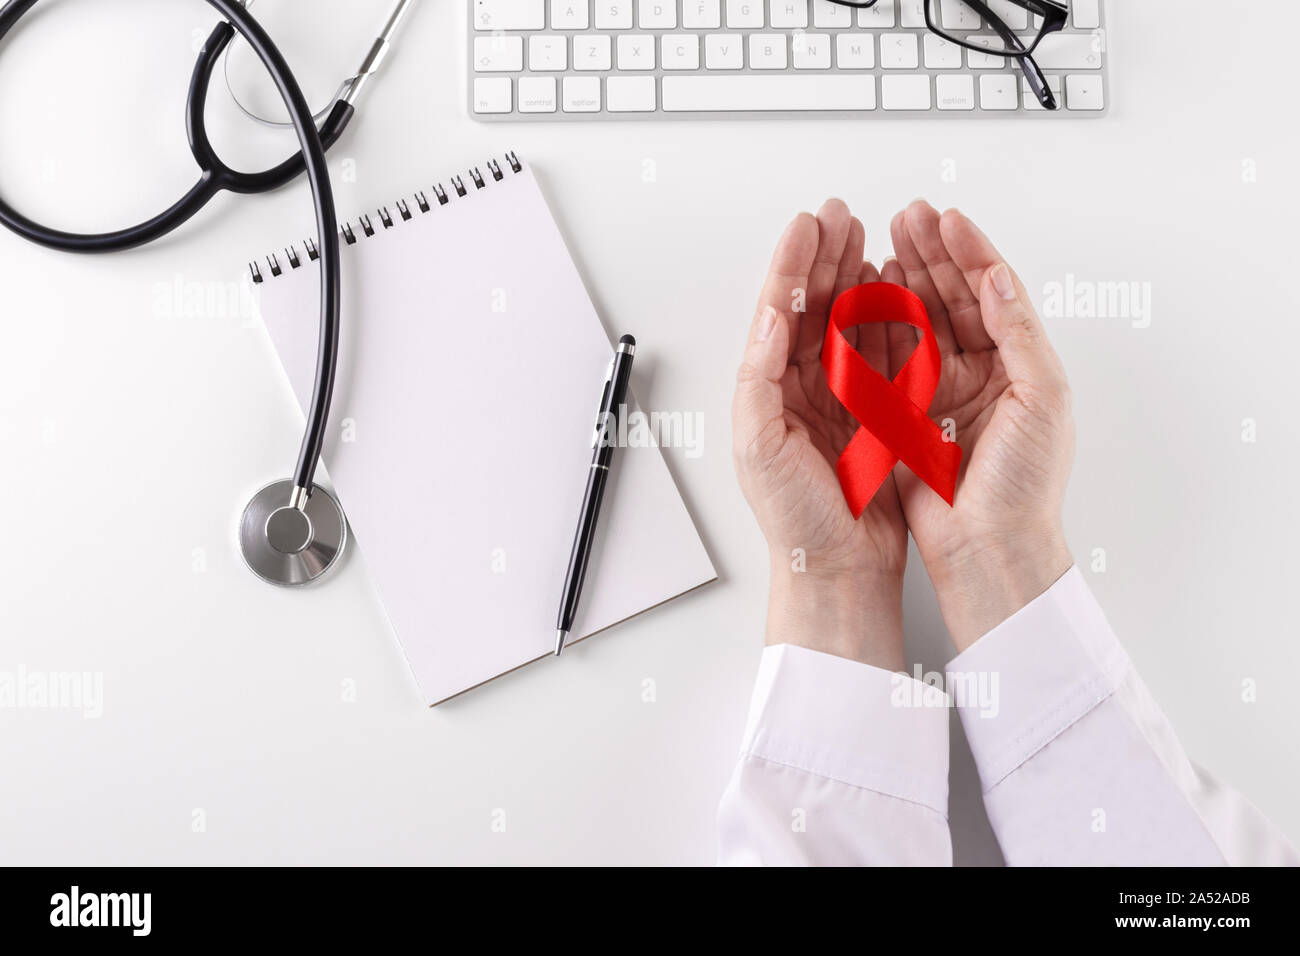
pixel 1054 14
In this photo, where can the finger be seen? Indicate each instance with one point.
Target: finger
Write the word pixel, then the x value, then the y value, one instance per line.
pixel 900 339
pixel 833 225
pixel 849 269
pixel 921 221
pixel 1015 328
pixel 788 272
pixel 971 251
pixel 758 411
pixel 891 271
pixel 1008 315
pixel 919 281
pixel 850 265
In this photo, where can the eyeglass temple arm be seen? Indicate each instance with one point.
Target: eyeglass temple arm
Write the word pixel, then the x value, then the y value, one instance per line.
pixel 1037 82
pixel 1033 73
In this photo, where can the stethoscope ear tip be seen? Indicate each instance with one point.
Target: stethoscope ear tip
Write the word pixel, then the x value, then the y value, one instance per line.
pixel 288 546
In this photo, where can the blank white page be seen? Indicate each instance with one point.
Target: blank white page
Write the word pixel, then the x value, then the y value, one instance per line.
pixel 470 368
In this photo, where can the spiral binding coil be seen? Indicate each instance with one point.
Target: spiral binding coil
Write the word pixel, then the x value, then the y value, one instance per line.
pixel 352 231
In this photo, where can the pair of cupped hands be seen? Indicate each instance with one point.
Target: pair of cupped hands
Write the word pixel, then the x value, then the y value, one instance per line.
pixel 837 582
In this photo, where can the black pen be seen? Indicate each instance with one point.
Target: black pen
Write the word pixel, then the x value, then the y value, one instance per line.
pixel 612 399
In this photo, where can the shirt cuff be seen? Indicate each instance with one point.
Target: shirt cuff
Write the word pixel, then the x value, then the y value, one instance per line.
pixel 1034 675
pixel 851 722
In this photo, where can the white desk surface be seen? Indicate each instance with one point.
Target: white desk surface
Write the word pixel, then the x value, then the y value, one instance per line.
pixel 135 423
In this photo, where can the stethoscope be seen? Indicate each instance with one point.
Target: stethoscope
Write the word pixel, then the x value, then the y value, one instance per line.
pixel 292 531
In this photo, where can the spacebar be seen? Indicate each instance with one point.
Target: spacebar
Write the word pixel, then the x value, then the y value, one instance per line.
pixel 750 92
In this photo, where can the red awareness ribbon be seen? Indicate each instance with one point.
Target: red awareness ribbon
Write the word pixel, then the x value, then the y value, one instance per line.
pixel 895 426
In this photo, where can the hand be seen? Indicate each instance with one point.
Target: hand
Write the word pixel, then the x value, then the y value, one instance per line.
pixel 1002 543
pixel 788 432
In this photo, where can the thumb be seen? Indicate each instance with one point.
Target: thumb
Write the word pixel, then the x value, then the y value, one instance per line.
pixel 1015 328
pixel 758 413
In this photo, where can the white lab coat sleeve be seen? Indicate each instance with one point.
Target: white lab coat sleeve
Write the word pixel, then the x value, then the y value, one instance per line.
pixel 842 764
pixel 1077 762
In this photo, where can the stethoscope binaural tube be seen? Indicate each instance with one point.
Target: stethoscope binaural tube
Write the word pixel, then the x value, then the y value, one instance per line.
pixel 350 88
pixel 217 176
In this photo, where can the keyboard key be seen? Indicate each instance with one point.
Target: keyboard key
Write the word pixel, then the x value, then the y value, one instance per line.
pixel 701 14
pixel 748 93
pixel 744 13
pixel 999 91
pixel 679 51
pixel 591 52
pixel 811 51
pixel 827 14
pixel 1084 92
pixel 1016 17
pixel 724 51
pixel 1030 101
pixel 498 54
pixel 1087 14
pixel 855 51
pixel 657 14
pixel 630 94
pixel 903 91
pixel 958 15
pixel 568 14
pixel 912 13
pixel 614 14
pixel 898 51
pixel 1069 51
pixel 509 15
pixel 955 91
pixel 879 17
pixel 582 94
pixel 788 14
pixel 767 51
pixel 941 54
pixel 492 94
pixel 548 52
pixel 636 51
pixel 537 94
pixel 986 61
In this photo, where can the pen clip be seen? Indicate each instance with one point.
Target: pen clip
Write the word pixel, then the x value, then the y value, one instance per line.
pixel 604 394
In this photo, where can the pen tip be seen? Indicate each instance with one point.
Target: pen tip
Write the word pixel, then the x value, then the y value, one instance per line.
pixel 627 340
pixel 560 637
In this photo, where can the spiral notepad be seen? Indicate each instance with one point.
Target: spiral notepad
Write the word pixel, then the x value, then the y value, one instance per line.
pixel 471 360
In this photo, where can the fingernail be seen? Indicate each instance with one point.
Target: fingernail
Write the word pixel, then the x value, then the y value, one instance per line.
pixel 1001 277
pixel 766 322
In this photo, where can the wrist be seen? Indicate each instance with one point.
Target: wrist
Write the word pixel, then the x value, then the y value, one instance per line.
pixel 855 615
pixel 981 587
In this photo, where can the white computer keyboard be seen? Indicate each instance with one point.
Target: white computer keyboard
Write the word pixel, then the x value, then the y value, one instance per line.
pixel 670 59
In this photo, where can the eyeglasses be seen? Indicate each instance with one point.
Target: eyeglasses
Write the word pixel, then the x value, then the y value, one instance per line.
pixel 962 22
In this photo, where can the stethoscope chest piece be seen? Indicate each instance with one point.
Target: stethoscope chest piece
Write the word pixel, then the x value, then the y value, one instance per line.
pixel 288 546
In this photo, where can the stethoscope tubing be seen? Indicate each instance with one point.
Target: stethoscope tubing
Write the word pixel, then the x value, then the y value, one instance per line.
pixel 217 176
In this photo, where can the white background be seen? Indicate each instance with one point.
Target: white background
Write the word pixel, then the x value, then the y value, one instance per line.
pixel 133 430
